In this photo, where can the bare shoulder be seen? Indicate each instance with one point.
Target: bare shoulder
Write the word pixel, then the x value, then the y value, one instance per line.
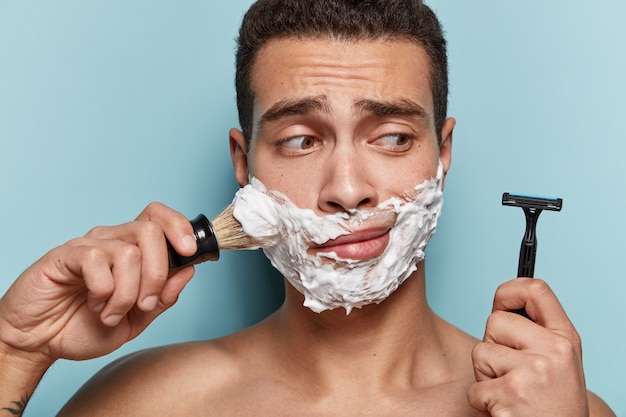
pixel 181 379
pixel 597 407
pixel 168 380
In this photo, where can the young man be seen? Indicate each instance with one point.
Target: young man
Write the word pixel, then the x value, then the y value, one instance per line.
pixel 343 111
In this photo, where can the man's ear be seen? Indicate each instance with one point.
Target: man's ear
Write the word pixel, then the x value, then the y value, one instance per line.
pixel 445 147
pixel 239 156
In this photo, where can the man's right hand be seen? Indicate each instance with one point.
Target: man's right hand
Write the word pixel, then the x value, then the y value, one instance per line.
pixel 88 297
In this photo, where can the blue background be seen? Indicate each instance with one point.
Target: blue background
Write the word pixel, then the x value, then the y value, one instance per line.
pixel 108 105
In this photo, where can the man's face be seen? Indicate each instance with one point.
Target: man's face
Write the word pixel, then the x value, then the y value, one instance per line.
pixel 342 125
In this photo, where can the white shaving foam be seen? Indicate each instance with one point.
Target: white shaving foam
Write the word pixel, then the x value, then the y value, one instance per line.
pixel 326 280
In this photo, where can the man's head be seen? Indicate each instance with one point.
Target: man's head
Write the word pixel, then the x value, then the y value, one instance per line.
pixel 345 20
pixel 343 111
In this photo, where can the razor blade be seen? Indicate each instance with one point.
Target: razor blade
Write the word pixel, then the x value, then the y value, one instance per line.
pixel 536 202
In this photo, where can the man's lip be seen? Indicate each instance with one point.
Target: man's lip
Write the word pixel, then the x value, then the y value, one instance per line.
pixel 362 244
pixel 355 237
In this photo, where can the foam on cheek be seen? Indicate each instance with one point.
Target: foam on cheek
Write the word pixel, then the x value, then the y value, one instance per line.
pixel 326 280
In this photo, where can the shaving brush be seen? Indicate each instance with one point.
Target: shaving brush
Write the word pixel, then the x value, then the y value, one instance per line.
pixel 224 232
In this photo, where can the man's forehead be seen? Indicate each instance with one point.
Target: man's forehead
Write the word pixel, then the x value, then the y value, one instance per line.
pixel 373 77
pixel 278 56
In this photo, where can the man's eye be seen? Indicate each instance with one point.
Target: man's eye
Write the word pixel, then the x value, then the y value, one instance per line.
pixel 300 142
pixel 395 141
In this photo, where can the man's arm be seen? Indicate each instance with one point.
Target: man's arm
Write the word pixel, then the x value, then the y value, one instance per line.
pixel 88 297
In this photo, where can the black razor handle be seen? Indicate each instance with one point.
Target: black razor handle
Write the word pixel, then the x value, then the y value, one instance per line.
pixel 206 240
pixel 528 249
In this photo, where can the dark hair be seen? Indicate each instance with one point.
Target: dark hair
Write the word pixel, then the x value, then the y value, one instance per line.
pixel 349 20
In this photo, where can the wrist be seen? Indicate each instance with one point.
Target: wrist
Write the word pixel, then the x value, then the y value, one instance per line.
pixel 19 365
pixel 20 373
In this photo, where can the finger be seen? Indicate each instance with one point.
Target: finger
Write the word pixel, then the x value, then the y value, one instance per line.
pixel 504 396
pixel 175 225
pixel 519 333
pixel 110 270
pixel 513 344
pixel 82 262
pixel 537 298
pixel 492 360
pixel 174 286
pixel 125 261
pixel 484 396
pixel 96 274
pixel 149 237
pixel 513 330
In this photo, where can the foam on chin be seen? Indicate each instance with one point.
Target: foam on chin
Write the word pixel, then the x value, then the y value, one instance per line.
pixel 326 280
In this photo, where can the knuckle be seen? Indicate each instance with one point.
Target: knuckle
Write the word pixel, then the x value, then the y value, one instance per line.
pixel 127 301
pixel 130 253
pixel 159 277
pixel 576 342
pixel 477 352
pixel 490 327
pixel 97 231
pixel 540 370
pixel 124 300
pixel 474 397
pixel 149 230
pixel 152 208
pixel 119 307
pixel 538 288
pixel 516 387
pixel 152 282
pixel 482 356
pixel 100 288
pixel 501 287
pixel 93 255
pixel 540 366
pixel 494 318
pixel 564 348
pixel 75 242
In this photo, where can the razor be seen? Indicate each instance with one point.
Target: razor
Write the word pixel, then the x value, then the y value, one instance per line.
pixel 532 206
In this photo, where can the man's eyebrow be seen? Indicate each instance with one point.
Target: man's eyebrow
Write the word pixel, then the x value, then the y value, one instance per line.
pixel 397 107
pixel 295 107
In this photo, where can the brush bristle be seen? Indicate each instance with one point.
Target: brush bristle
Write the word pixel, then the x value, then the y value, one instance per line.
pixel 230 234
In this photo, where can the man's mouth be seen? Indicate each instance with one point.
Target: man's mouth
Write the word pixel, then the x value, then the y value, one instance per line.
pixel 359 245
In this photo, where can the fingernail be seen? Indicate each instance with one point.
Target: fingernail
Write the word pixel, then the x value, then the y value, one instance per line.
pixel 99 307
pixel 150 302
pixel 188 243
pixel 112 320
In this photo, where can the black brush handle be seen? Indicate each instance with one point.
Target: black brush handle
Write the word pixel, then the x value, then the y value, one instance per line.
pixel 206 240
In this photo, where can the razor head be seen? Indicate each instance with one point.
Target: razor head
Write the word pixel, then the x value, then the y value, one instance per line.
pixel 532 202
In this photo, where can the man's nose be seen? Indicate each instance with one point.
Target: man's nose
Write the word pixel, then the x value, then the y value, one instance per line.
pixel 346 183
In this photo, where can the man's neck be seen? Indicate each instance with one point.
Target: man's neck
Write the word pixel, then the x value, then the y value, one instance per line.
pixel 399 339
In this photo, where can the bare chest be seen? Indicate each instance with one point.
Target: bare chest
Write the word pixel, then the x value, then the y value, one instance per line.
pixel 448 400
